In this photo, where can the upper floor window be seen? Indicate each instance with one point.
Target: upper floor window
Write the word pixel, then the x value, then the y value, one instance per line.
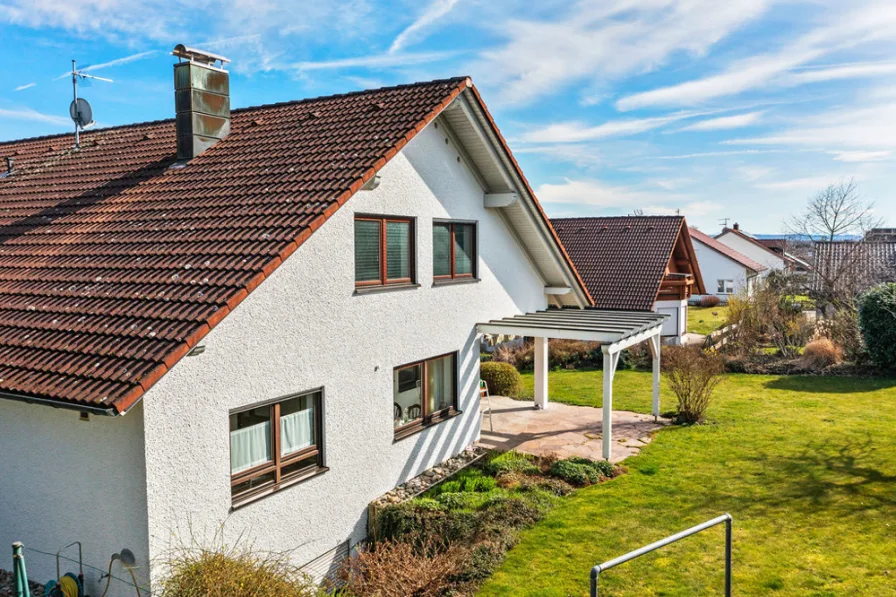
pixel 275 443
pixel 453 250
pixel 384 251
pixel 424 392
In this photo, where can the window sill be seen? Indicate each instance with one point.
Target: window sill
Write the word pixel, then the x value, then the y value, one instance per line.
pixel 408 431
pixel 453 281
pixel 246 499
pixel 387 288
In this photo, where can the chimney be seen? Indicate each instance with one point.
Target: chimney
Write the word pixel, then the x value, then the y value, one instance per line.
pixel 736 226
pixel 201 100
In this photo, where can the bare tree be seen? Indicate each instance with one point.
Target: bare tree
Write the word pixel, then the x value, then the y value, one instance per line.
pixel 841 268
pixel 838 210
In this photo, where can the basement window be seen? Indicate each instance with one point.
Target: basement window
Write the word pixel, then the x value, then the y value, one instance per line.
pixel 453 250
pixel 275 444
pixel 384 251
pixel 424 393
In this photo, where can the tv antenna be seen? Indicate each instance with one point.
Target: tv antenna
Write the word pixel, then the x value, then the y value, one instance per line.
pixel 724 221
pixel 80 110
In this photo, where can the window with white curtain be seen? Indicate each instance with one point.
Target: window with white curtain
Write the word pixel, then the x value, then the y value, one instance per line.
pixel 424 392
pixel 275 443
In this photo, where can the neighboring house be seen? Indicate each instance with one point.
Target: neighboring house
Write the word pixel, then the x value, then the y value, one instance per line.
pixel 749 246
pixel 787 248
pixel 725 271
pixel 266 336
pixel 639 263
pixel 851 267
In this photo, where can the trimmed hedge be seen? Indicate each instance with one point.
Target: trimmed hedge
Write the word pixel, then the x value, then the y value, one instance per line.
pixel 877 319
pixel 502 378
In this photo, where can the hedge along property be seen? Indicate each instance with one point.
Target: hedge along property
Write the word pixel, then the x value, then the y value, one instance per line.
pixel 262 319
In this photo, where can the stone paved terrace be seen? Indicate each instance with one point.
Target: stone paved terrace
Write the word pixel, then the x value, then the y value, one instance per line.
pixel 564 429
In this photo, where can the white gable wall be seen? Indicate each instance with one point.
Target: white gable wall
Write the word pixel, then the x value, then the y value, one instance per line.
pixel 715 266
pixel 65 480
pixel 754 252
pixel 305 328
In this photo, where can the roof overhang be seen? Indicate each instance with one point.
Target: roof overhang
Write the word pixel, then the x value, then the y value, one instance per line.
pixel 620 329
pixel 506 192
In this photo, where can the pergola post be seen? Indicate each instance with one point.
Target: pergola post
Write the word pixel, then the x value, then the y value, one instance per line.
pixel 655 342
pixel 541 372
pixel 611 358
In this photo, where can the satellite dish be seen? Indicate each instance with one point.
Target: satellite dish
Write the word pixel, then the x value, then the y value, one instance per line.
pixel 81 112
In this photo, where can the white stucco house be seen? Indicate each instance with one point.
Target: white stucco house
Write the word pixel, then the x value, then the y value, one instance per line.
pixel 262 319
pixel 726 272
pixel 750 247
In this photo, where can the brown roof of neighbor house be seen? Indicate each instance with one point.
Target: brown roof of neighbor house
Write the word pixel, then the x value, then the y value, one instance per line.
pixel 727 251
pixel 747 237
pixel 115 260
pixel 853 266
pixel 623 259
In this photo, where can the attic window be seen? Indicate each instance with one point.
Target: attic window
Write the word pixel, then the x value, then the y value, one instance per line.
pixel 384 251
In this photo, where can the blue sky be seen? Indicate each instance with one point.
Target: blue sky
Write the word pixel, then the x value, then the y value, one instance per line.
pixel 739 109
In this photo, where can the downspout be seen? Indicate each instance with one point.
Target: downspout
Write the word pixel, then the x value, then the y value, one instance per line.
pixel 96 410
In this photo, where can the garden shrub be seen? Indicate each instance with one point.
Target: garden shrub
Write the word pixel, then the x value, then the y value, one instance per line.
pixel 452 486
pixel 502 378
pixel 481 562
pixel 709 301
pixel 558 487
pixel 842 327
pixel 463 500
pixel 562 354
pixel 240 571
pixel 877 319
pixel 821 353
pixel 693 376
pixel 399 569
pixel 511 461
pixel 423 521
pixel 480 484
pixel 581 471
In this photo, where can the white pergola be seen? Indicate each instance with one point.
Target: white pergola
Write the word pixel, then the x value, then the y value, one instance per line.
pixel 615 330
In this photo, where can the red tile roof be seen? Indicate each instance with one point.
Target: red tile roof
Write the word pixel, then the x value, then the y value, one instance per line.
pixel 115 261
pixel 727 251
pixel 621 259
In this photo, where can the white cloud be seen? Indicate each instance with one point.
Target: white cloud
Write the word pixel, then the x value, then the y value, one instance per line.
pixel 725 122
pixel 604 39
pixel 860 156
pixel 574 132
pixel 414 31
pixel 33 116
pixel 120 61
pixel 25 86
pixel 863 127
pixel 690 209
pixel 861 23
pixel 713 154
pixel 846 71
pixel 374 61
pixel 807 182
pixel 594 193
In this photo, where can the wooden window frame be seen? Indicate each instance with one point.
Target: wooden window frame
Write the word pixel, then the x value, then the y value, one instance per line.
pixel 279 462
pixel 428 419
pixel 412 250
pixel 474 259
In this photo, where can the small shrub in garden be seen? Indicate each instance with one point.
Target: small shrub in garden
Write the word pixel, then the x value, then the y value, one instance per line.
pixel 502 378
pixel 693 375
pixel 452 486
pixel 709 301
pixel 581 471
pixel 877 319
pixel 480 484
pixel 398 569
pixel 240 571
pixel 821 353
pixel 557 487
pixel 511 461
pixel 463 500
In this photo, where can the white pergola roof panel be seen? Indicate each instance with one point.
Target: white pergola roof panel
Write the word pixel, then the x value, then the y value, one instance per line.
pixel 604 326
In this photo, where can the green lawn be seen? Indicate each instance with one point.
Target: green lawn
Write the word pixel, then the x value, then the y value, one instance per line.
pixel 805 465
pixel 705 320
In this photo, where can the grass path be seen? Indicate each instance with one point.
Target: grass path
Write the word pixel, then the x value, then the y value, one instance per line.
pixel 807 467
